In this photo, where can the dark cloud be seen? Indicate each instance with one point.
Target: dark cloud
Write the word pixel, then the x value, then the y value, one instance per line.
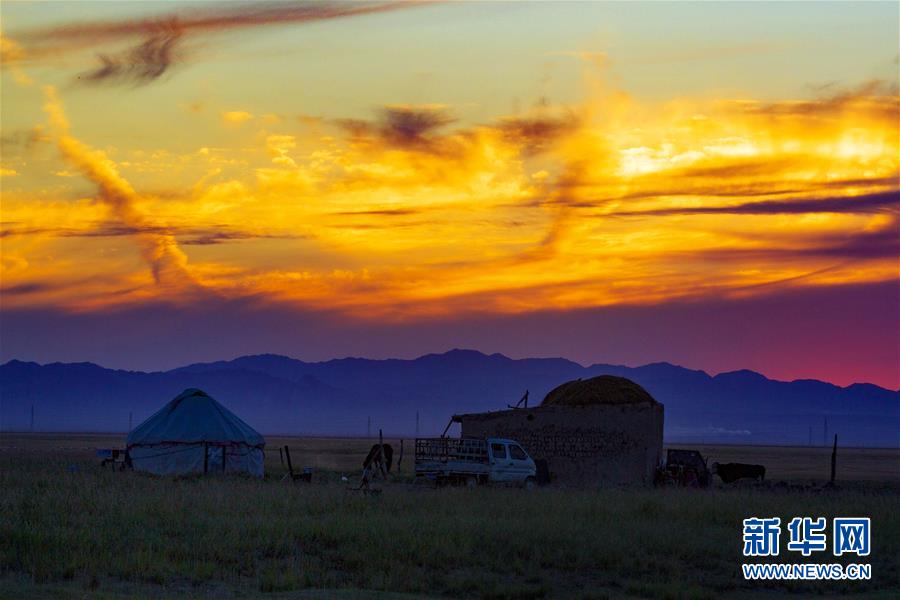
pixel 866 245
pixel 24 139
pixel 159 39
pixel 757 167
pixel 102 230
pixel 386 212
pixel 722 188
pixel 883 202
pixel 376 226
pixel 419 129
pixel 536 134
pixel 142 64
pixel 357 129
pixel 113 230
pixel 879 97
pixel 98 230
pixel 190 236
pixel 774 188
pixel 413 128
pixel 34 287
pixel 222 236
pixel 25 288
pixel 845 247
pixel 11 232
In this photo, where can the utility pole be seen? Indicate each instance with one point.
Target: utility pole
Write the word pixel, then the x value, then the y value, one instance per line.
pixel 834 459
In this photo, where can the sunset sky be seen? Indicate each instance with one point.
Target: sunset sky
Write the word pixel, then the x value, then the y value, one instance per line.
pixel 713 185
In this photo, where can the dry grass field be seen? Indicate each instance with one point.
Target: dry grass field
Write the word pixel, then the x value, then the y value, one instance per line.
pixel 69 529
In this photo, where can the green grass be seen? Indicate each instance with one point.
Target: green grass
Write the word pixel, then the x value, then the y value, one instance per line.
pixel 102 533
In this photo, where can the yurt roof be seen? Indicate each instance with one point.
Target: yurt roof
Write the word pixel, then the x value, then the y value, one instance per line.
pixel 194 416
pixel 601 390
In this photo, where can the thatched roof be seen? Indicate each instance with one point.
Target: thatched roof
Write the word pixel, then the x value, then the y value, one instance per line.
pixel 605 389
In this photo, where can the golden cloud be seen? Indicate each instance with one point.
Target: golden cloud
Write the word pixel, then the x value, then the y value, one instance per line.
pixel 236 116
pixel 408 213
pixel 161 252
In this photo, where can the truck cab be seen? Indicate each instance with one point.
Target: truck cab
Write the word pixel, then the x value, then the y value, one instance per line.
pixel 509 461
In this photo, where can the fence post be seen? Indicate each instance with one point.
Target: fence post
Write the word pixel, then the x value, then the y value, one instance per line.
pixel 287 455
pixel 380 455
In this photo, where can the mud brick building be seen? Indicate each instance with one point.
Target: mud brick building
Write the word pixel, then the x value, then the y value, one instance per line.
pixel 600 431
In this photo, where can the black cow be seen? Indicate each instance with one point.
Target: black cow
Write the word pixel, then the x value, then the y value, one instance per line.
pixel 731 472
pixel 376 461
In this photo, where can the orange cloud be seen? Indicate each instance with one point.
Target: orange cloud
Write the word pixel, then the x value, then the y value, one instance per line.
pixel 608 202
pixel 236 116
pixel 161 252
pixel 12 54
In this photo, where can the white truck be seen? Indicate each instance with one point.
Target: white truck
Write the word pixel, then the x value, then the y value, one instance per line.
pixel 474 461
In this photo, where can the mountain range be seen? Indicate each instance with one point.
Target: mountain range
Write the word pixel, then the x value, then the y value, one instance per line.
pixel 357 396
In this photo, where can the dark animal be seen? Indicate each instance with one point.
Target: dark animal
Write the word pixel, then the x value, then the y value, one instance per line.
pixel 376 460
pixel 731 472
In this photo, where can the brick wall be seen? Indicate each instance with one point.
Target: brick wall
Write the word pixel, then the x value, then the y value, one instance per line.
pixel 583 445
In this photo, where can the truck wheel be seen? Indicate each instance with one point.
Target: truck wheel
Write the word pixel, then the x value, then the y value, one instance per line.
pixel 530 483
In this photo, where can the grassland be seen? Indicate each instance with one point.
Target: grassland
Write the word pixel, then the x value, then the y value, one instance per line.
pixel 70 529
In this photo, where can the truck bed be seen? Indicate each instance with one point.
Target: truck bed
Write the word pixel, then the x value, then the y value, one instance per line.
pixel 442 457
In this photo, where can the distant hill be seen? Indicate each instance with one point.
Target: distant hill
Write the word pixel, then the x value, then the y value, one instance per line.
pixel 278 394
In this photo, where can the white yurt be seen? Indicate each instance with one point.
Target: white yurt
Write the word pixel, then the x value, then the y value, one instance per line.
pixel 195 434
